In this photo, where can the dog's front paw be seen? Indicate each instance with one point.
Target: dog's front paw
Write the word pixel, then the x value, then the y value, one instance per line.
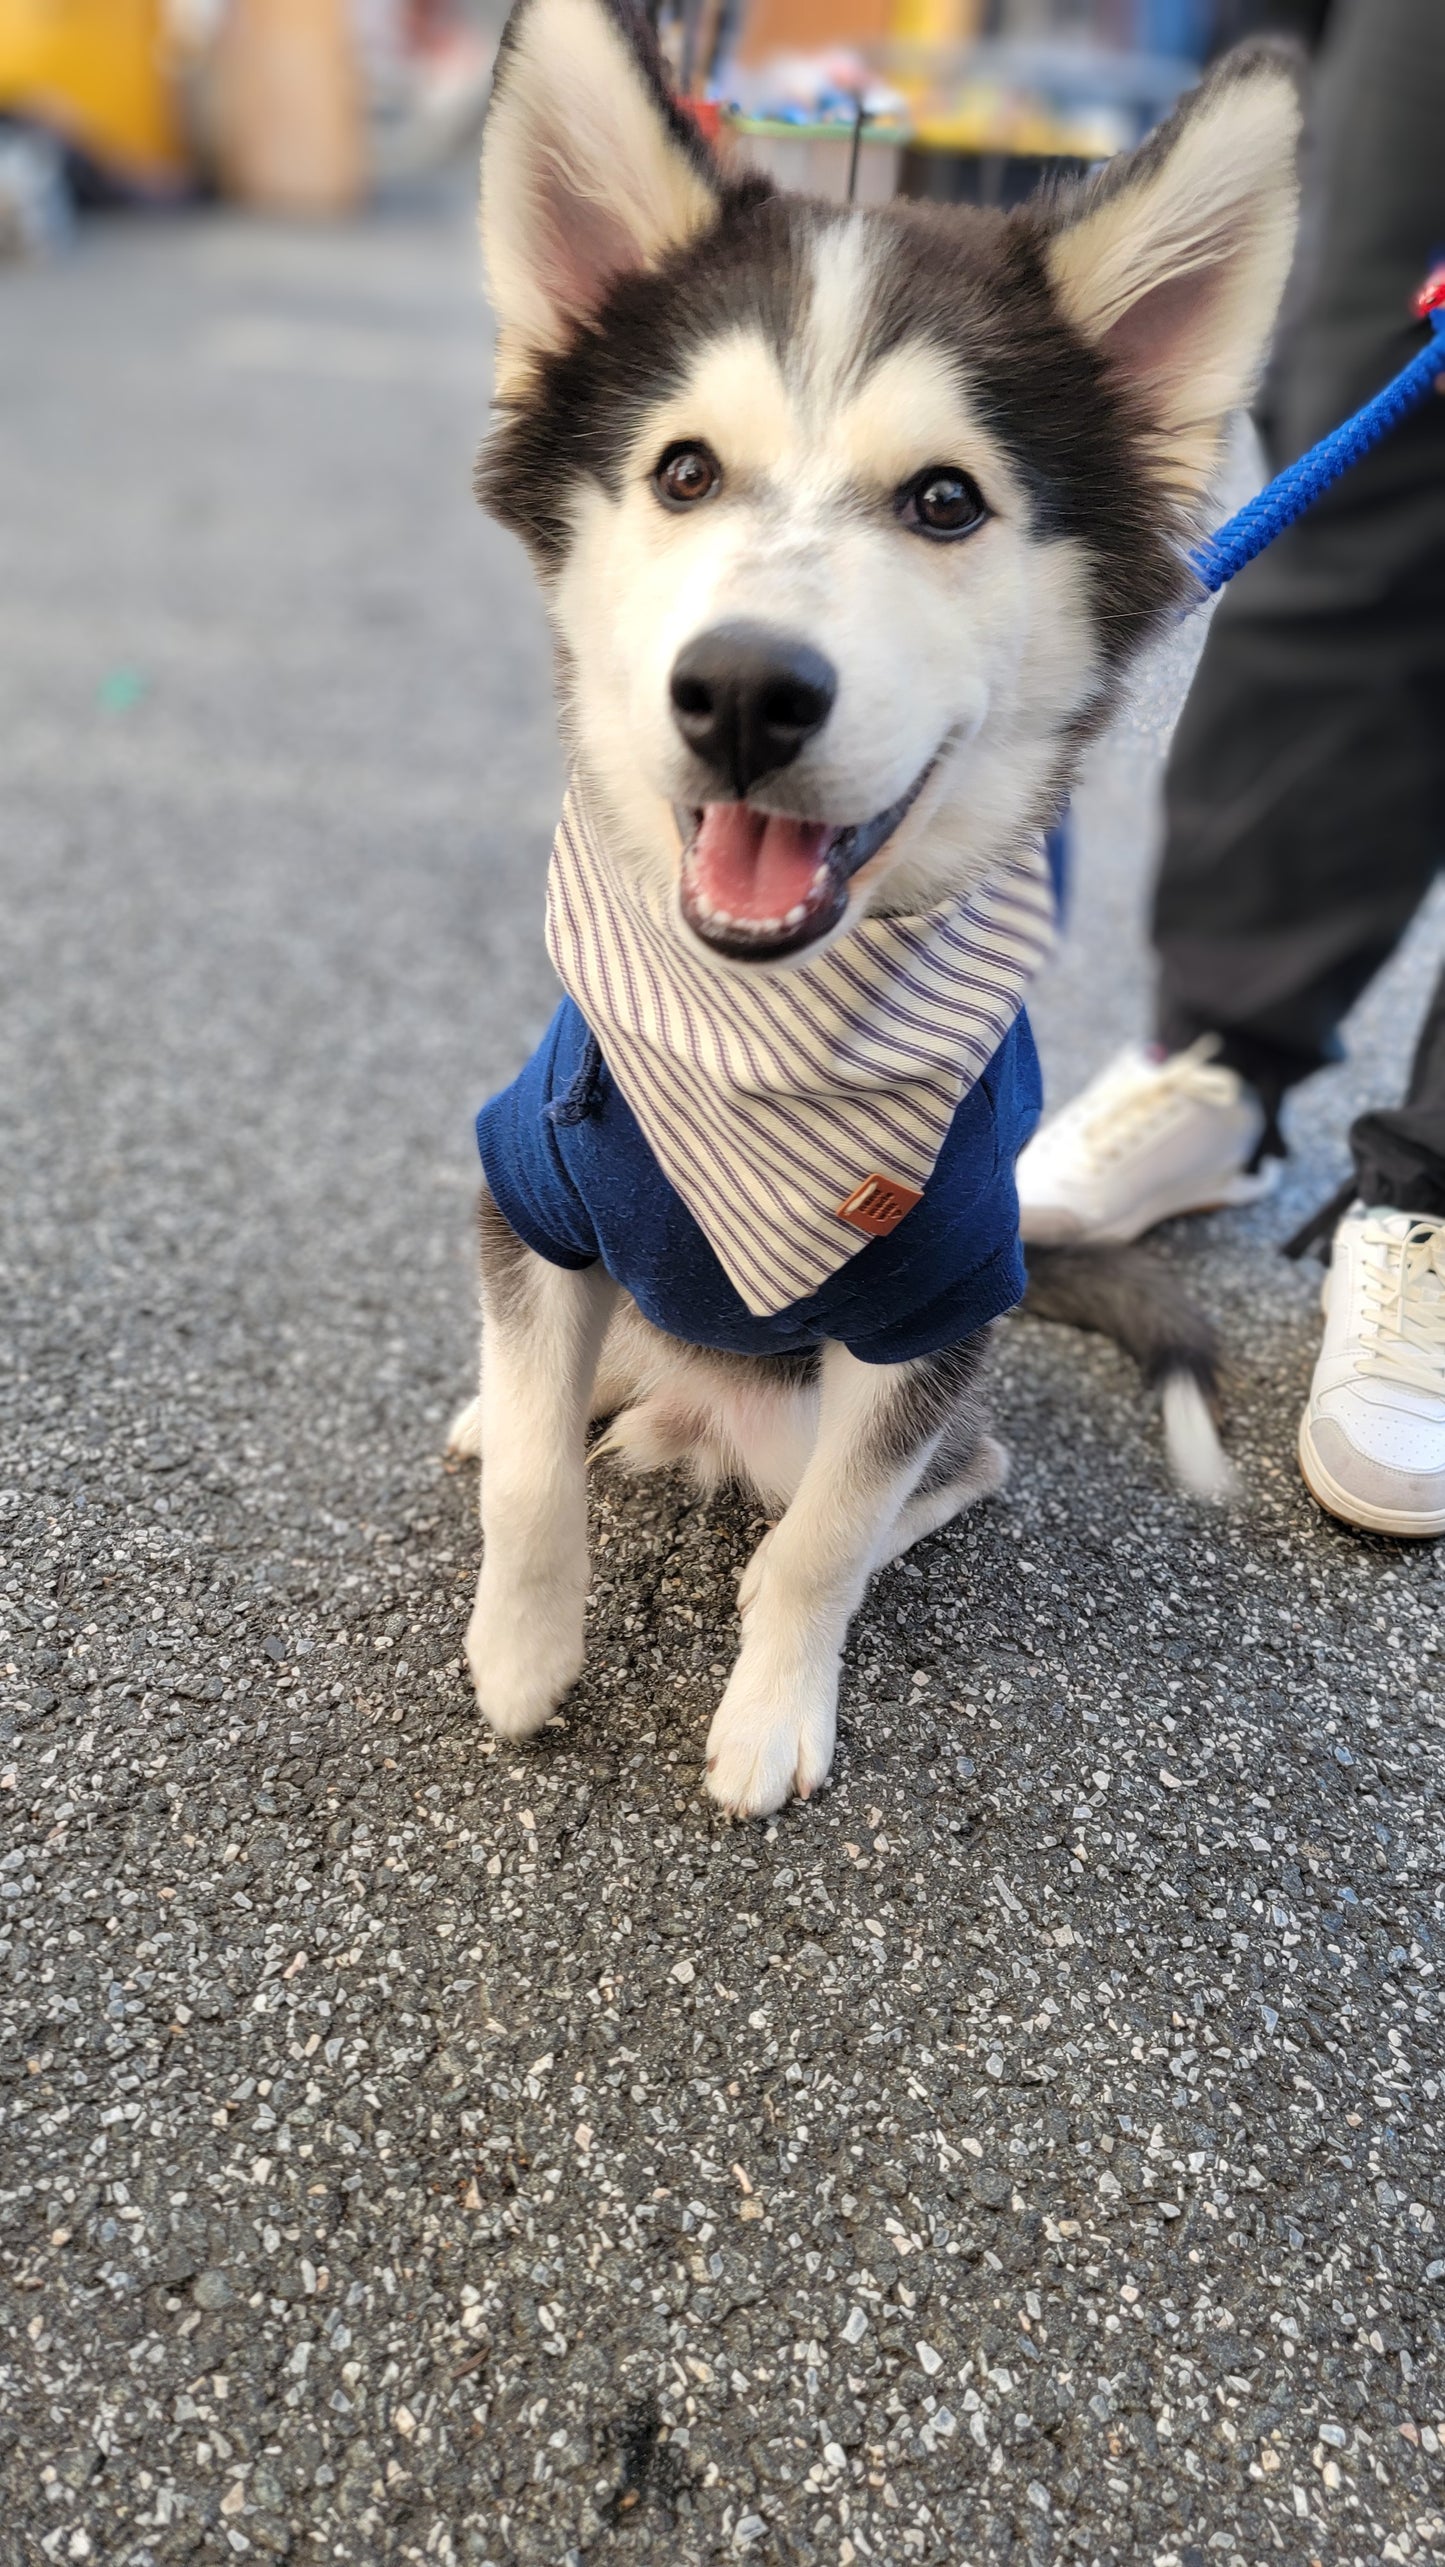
pixel 524 1648
pixel 772 1733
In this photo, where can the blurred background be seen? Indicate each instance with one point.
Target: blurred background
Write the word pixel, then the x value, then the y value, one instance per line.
pixel 315 106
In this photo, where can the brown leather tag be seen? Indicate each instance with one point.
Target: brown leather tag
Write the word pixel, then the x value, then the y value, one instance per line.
pixel 878 1205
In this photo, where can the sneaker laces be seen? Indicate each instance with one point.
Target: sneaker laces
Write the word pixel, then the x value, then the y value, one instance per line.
pixel 1136 1095
pixel 1403 1286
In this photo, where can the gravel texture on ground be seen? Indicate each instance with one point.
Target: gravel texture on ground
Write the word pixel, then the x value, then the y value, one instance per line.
pixel 415 2149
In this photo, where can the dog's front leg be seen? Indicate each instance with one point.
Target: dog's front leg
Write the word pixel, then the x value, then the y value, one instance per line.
pixel 878 1427
pixel 543 1326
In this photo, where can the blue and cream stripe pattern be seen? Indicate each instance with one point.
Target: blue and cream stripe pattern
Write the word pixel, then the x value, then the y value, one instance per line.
pixel 767 1102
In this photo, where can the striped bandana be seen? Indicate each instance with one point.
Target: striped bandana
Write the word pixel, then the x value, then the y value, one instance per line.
pixel 799 1116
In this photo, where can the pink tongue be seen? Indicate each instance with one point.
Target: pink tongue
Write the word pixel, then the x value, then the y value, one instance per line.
pixel 752 864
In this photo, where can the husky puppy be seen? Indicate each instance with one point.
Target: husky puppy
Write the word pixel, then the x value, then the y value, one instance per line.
pixel 850 525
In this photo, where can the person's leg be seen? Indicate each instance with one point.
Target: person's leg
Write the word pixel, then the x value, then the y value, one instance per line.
pixel 1372 1437
pixel 1400 1154
pixel 1304 810
pixel 1305 792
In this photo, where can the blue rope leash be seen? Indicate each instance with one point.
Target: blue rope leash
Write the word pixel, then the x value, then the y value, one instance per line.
pixel 1291 491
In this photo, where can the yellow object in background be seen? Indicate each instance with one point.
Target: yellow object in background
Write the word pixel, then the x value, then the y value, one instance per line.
pixel 96 72
pixel 933 23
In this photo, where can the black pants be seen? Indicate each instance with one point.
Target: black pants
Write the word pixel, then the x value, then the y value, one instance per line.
pixel 1305 794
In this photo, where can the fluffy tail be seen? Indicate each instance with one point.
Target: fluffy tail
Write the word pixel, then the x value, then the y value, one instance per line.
pixel 1125 1295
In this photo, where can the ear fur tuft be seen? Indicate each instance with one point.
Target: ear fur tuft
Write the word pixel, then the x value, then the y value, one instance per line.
pixel 1173 260
pixel 590 171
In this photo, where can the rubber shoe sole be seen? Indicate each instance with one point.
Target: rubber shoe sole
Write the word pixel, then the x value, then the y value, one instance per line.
pixel 1226 1193
pixel 1355 1511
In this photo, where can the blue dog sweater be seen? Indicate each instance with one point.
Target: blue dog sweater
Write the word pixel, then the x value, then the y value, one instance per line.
pixel 569 1168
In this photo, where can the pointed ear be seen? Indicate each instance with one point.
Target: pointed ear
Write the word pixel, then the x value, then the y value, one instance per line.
pixel 1174 259
pixel 589 170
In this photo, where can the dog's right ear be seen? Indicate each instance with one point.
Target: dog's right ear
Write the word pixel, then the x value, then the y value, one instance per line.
pixel 590 172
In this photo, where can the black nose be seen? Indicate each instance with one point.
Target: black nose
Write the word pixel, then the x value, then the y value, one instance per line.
pixel 747 699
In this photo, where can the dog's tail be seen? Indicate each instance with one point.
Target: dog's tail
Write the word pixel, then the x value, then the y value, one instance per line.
pixel 1126 1295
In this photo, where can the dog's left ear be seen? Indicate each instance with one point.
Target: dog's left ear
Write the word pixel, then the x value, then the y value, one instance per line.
pixel 589 171
pixel 1173 260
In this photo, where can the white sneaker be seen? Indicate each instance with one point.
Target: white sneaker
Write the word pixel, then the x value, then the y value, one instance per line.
pixel 1146 1139
pixel 1372 1439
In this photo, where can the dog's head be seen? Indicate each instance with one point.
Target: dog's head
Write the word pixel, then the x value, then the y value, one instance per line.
pixel 850 521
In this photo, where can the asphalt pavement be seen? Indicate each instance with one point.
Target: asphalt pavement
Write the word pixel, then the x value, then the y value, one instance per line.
pixel 418 2149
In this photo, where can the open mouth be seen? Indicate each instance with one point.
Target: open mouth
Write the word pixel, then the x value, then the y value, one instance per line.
pixel 756 884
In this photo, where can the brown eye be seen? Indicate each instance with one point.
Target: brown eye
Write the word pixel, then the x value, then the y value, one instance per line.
pixel 686 474
pixel 942 502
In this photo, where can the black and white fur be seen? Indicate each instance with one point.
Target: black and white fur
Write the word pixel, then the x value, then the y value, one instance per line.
pixel 1080 359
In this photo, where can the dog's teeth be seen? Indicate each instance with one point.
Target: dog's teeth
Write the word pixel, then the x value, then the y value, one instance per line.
pixel 722 918
pixel 796 914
